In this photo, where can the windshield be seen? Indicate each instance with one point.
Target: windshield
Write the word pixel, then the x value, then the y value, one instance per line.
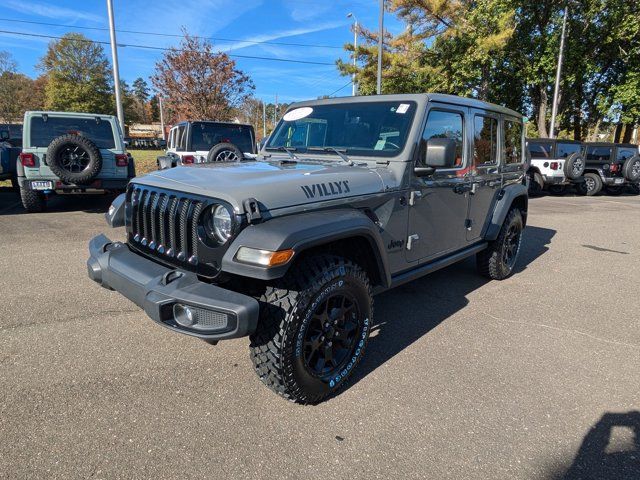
pixel 97 130
pixel 377 129
pixel 205 135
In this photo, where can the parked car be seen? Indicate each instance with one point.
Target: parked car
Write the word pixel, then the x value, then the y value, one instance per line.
pixel 612 167
pixel 8 158
pixel 68 152
pixel 349 197
pixel 555 165
pixel 205 142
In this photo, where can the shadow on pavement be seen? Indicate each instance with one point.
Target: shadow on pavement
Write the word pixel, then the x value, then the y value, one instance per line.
pixel 603 456
pixel 93 203
pixel 410 311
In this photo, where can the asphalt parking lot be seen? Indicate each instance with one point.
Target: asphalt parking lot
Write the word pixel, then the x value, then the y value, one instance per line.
pixel 535 377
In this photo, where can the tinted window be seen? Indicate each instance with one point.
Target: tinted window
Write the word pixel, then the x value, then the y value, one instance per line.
pixel 485 146
pixel 512 142
pixel 624 153
pixel 564 150
pixel 377 129
pixel 599 154
pixel 540 150
pixel 442 124
pixel 43 133
pixel 206 135
pixel 181 138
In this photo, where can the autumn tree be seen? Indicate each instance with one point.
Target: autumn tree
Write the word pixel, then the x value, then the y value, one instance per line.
pixel 200 83
pixel 18 92
pixel 79 77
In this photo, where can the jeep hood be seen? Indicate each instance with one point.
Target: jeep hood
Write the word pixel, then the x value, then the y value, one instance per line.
pixel 272 184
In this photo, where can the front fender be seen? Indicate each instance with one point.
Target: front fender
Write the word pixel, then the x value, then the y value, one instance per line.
pixel 508 196
pixel 301 232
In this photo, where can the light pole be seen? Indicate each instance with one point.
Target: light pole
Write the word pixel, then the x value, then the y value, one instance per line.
pixel 164 137
pixel 116 70
pixel 356 25
pixel 380 42
pixel 556 91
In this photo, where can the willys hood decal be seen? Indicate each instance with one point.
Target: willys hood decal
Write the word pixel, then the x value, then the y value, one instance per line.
pixel 272 184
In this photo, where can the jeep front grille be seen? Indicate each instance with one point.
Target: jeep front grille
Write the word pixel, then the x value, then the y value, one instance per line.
pixel 165 224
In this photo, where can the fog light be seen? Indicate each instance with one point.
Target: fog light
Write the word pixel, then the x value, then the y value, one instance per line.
pixel 183 315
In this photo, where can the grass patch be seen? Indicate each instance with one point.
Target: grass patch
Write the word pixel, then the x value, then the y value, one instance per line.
pixel 145 160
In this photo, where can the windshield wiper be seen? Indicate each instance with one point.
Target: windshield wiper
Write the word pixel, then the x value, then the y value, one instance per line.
pixel 340 153
pixel 282 148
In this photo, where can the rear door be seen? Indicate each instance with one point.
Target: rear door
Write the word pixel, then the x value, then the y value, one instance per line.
pixel 484 174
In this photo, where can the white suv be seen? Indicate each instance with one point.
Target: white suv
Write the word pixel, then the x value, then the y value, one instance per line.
pixel 555 165
pixel 207 141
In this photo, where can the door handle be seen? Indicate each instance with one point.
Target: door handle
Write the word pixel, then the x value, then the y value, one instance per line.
pixel 463 188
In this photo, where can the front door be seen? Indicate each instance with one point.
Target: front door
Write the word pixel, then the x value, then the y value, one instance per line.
pixel 438 203
pixel 484 174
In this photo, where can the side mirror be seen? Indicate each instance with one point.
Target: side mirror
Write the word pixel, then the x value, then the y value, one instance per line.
pixel 439 153
pixel 4 135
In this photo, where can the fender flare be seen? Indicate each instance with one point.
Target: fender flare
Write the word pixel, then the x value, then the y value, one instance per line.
pixel 506 198
pixel 301 232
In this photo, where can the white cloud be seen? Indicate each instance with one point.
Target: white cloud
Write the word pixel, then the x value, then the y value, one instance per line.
pixel 301 12
pixel 52 11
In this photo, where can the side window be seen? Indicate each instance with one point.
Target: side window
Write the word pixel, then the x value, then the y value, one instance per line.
pixel 181 138
pixel 485 140
pixel 512 142
pixel 567 149
pixel 540 150
pixel 599 154
pixel 624 153
pixel 442 124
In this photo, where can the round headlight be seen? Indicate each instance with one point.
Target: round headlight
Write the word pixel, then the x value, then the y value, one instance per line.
pixel 221 223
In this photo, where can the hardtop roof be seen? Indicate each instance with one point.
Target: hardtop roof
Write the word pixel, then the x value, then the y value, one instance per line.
pixel 35 113
pixel 420 98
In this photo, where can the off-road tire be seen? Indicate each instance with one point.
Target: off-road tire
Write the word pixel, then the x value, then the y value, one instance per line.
pixel 634 188
pixel 615 191
pixel 492 262
pixel 574 166
pixel 81 145
pixel 536 184
pixel 594 183
pixel 224 152
pixel 557 190
pixel 286 316
pixel 32 200
pixel 631 169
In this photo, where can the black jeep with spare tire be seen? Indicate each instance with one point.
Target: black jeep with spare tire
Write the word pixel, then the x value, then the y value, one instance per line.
pixel 66 152
pixel 349 197
pixel 612 167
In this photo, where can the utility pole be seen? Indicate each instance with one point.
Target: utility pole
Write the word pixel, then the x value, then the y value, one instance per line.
pixel 264 119
pixel 356 25
pixel 116 70
pixel 380 42
pixel 275 112
pixel 556 92
pixel 164 136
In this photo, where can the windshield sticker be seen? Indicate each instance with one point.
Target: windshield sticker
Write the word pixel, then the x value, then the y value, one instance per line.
pixel 380 144
pixel 297 114
pixel 403 108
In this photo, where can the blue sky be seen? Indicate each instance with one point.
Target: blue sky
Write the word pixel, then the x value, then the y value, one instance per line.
pixel 314 22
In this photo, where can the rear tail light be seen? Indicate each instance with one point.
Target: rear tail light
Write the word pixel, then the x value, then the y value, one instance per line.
pixel 188 159
pixel 555 165
pixel 615 168
pixel 122 160
pixel 27 159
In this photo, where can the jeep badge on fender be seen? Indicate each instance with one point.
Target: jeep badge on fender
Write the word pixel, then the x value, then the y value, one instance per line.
pixel 348 197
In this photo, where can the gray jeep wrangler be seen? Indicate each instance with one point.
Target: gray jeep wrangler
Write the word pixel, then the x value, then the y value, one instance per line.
pixel 348 198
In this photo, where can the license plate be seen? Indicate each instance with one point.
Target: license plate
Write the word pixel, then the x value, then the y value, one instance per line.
pixel 618 180
pixel 42 185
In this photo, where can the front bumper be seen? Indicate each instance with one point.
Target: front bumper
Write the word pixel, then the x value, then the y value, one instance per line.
pixel 615 181
pixel 156 289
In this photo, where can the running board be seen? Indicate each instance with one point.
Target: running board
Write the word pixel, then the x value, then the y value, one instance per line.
pixel 427 268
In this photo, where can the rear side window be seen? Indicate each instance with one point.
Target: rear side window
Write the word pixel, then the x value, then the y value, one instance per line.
pixel 540 150
pixel 485 140
pixel 99 132
pixel 206 135
pixel 567 149
pixel 599 154
pixel 441 124
pixel 512 142
pixel 624 153
pixel 181 138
